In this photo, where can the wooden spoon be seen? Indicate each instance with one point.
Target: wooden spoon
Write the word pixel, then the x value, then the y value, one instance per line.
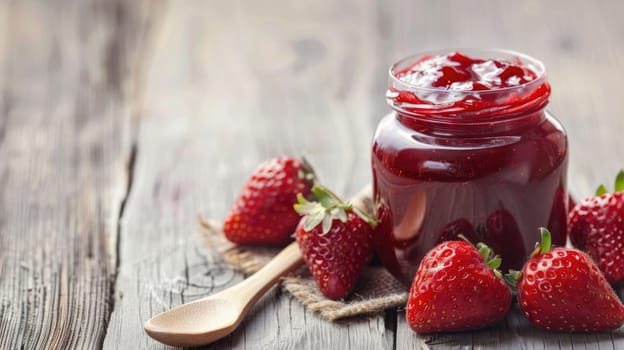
pixel 211 318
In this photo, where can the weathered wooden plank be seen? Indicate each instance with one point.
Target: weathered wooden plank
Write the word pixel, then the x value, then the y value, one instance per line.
pixel 245 89
pixel 65 87
pixel 249 90
pixel 231 85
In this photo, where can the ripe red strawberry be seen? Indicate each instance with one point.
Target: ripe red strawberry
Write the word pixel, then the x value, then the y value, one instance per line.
pixel 335 240
pixel 263 212
pixel 596 226
pixel 457 288
pixel 563 290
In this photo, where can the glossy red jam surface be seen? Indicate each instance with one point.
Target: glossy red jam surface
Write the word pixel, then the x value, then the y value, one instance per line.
pixel 468 150
pixel 457 71
pixel 458 86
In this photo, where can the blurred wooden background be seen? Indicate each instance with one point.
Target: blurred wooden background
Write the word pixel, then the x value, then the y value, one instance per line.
pixel 120 121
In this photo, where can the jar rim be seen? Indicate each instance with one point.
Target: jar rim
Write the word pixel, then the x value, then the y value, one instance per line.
pixel 469 106
pixel 530 62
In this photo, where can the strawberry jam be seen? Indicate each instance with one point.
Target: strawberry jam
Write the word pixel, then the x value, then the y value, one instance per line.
pixel 469 150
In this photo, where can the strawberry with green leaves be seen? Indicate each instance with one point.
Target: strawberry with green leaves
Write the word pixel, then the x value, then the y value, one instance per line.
pixel 562 289
pixel 336 241
pixel 457 288
pixel 263 212
pixel 596 226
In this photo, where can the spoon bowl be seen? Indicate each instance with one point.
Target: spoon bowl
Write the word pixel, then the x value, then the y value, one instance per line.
pixel 211 318
pixel 203 321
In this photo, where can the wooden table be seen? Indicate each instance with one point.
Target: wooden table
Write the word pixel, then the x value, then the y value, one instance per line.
pixel 120 121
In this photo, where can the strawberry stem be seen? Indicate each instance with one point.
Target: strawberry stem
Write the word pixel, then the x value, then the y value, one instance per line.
pixel 546 240
pixel 545 243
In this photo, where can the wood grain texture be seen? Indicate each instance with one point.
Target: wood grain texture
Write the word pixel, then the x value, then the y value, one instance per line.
pixel 66 70
pixel 131 117
pixel 247 90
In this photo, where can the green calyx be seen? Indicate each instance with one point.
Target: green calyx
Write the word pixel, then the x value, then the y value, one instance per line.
pixel 618 186
pixel 326 208
pixel 512 277
pixel 491 260
pixel 601 190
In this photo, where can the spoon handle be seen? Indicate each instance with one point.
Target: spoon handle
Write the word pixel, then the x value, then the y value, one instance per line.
pixel 251 289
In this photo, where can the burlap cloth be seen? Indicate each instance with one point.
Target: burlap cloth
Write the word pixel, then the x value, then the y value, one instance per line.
pixel 376 290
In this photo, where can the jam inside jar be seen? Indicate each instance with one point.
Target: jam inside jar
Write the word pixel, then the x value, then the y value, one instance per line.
pixel 470 150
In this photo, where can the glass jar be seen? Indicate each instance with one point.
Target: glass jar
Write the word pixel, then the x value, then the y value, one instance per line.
pixel 489 165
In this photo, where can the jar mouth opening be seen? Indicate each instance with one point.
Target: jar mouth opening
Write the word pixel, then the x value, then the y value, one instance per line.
pixel 513 56
pixel 468 106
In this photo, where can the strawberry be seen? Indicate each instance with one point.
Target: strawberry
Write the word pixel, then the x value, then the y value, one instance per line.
pixel 563 290
pixel 596 226
pixel 457 288
pixel 336 241
pixel 263 212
